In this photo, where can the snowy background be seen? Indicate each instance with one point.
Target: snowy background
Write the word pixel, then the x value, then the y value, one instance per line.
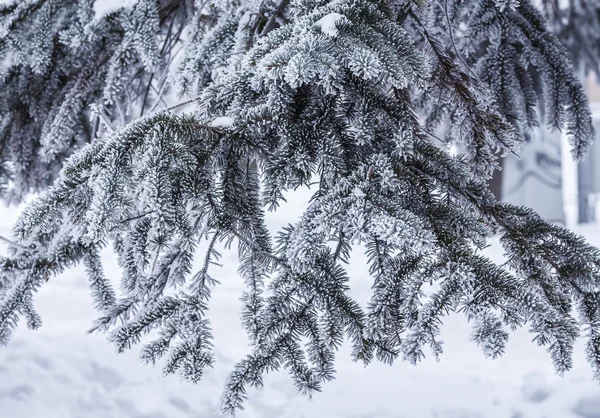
pixel 60 372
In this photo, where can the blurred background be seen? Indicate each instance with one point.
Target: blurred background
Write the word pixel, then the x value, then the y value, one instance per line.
pixel 547 179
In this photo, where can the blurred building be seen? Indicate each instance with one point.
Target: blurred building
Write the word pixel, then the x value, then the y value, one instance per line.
pixel 587 175
pixel 535 180
pixel 546 179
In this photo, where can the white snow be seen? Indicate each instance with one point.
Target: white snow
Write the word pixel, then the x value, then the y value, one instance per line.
pixel 328 23
pixel 222 122
pixel 60 372
pixel 358 192
pixel 104 7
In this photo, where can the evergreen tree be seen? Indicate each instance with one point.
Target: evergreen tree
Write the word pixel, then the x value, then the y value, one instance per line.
pixel 359 96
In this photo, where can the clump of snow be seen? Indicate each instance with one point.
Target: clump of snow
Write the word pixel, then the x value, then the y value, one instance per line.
pixel 328 23
pixel 511 4
pixel 104 7
pixel 357 192
pixel 222 122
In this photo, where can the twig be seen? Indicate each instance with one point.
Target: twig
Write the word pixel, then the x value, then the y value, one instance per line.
pixel 98 112
pixel 14 244
pixel 193 99
pixel 256 248
pixel 146 94
pixel 133 218
pixel 271 22
pixel 209 252
pixel 450 32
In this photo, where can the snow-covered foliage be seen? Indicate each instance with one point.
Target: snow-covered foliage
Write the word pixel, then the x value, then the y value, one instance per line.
pixel 576 24
pixel 281 101
pixel 60 56
pixel 58 371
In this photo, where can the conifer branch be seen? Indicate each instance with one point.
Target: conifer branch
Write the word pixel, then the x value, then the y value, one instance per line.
pixel 14 244
pixel 270 25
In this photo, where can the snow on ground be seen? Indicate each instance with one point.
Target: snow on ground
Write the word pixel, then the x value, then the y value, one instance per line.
pixel 60 372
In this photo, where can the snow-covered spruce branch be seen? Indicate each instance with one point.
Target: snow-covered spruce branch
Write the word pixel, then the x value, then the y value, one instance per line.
pixel 476 286
pixel 524 66
pixel 523 232
pixel 101 169
pixel 334 89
